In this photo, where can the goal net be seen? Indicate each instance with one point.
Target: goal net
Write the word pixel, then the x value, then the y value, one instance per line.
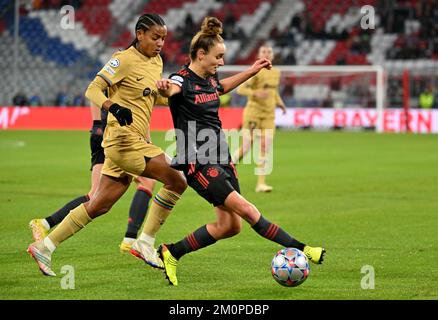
pixel 326 97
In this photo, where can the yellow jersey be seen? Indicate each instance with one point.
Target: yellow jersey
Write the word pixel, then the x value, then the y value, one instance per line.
pixel 131 77
pixel 268 80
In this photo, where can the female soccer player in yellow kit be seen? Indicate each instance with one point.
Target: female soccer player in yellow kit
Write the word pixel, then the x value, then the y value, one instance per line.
pixel 259 114
pixel 137 212
pixel 131 77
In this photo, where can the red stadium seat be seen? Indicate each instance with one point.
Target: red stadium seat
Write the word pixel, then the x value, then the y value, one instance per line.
pixel 95 16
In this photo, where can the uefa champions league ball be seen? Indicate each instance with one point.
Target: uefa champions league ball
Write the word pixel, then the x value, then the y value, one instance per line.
pixel 290 267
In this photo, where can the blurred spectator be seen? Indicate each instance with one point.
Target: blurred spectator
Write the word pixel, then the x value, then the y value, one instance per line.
pixel 337 94
pixel 275 33
pixel 338 99
pixel 229 19
pixel 296 22
pixel 25 8
pixel 401 13
pixel 395 93
pixel 278 59
pixel 76 3
pixel 290 59
pixel 360 44
pixel 341 59
pixel 328 101
pixel 61 99
pixel 79 100
pixel 35 100
pixel 185 31
pixel 20 100
pixel 230 28
pixel 37 4
pixel 287 39
pixel 427 98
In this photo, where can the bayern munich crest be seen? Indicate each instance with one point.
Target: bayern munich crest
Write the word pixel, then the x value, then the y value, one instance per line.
pixel 212 172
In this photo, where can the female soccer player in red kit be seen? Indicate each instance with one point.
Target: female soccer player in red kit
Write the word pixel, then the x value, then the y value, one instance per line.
pixel 206 162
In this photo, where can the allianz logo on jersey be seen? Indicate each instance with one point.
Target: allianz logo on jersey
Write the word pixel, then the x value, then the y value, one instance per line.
pixel 204 97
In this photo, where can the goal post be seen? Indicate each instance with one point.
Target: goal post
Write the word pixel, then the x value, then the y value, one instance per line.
pixel 351 97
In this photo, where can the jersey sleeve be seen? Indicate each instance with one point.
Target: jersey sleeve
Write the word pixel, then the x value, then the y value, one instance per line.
pixel 175 78
pixel 219 87
pixel 116 69
pixel 179 80
pixel 247 88
pixel 95 91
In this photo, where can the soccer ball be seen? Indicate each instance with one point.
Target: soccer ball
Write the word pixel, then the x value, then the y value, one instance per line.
pixel 290 267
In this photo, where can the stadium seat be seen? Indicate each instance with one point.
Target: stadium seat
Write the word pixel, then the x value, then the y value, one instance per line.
pixel 103 26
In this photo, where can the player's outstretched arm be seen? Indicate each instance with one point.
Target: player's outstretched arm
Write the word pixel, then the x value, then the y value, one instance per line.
pixel 232 82
pixel 167 87
pixel 279 102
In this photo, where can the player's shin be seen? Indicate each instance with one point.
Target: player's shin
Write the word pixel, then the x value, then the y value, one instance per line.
pixel 274 233
pixel 77 219
pixel 59 215
pixel 137 212
pixel 160 209
pixel 198 239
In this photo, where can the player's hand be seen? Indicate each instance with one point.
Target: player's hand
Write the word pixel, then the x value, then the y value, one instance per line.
pixel 164 87
pixel 96 137
pixel 260 64
pixel 122 114
pixel 96 129
pixel 163 84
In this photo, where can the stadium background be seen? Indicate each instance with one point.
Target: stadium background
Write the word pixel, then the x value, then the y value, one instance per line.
pixel 369 198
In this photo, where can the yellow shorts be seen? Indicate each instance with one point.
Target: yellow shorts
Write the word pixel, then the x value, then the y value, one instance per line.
pixel 252 122
pixel 127 157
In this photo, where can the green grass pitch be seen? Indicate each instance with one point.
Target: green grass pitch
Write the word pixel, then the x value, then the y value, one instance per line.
pixel 370 199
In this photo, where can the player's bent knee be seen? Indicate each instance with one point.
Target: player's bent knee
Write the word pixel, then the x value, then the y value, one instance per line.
pixel 229 231
pixel 145 184
pixel 94 212
pixel 103 211
pixel 178 185
pixel 248 212
pixel 234 230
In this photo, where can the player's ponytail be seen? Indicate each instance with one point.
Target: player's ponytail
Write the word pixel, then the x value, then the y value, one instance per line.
pixel 145 22
pixel 211 26
pixel 207 37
